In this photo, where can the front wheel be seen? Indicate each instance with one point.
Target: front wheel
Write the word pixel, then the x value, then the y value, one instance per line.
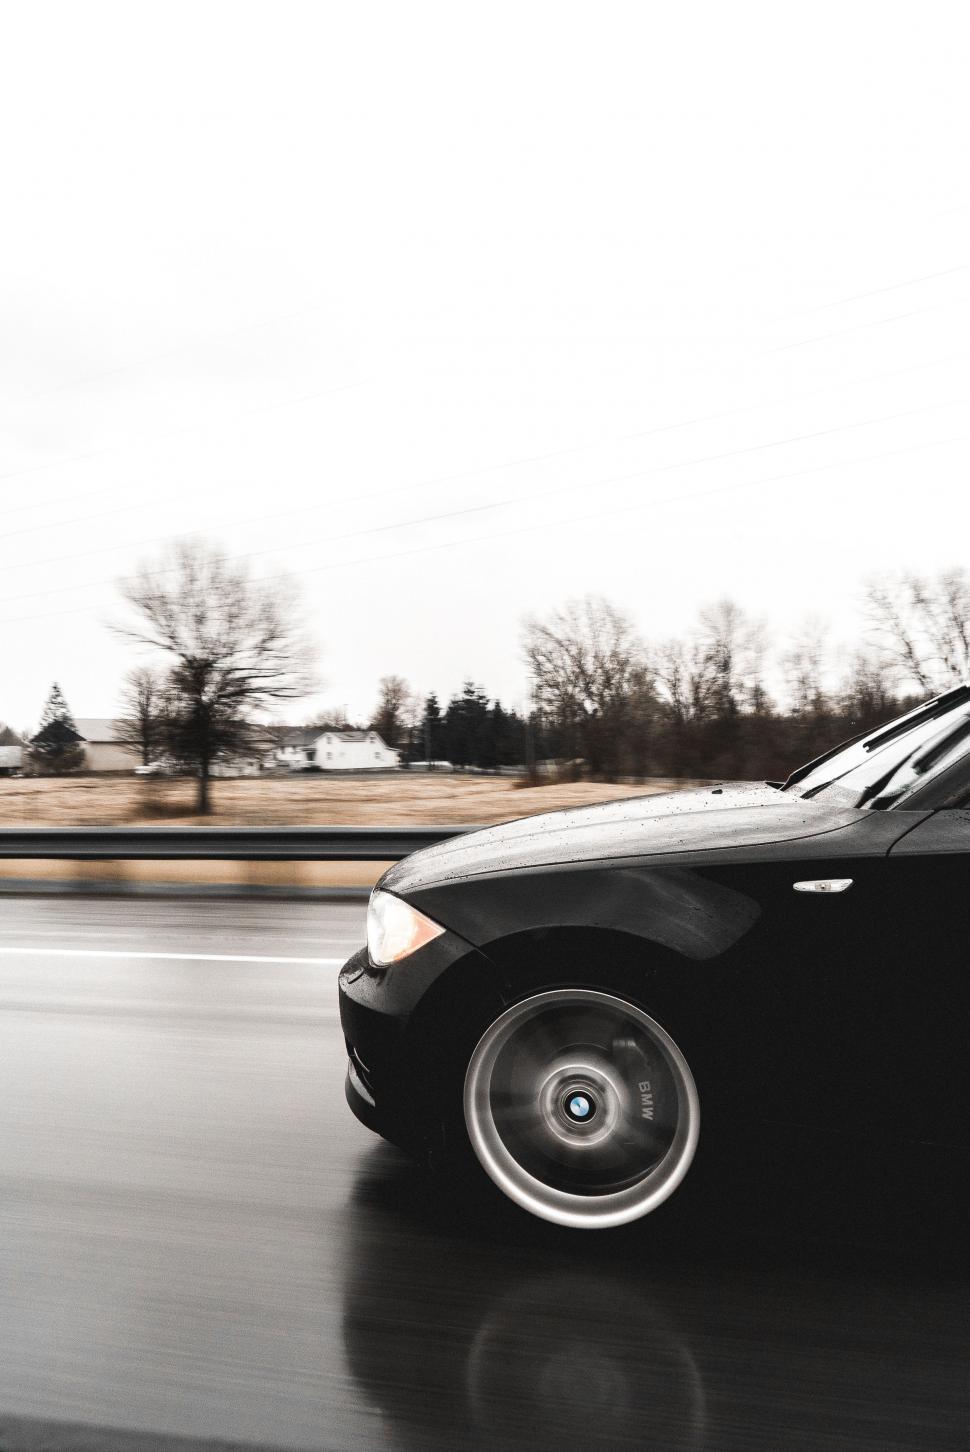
pixel 581 1108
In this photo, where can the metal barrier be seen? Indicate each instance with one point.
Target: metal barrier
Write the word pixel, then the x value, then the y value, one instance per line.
pixel 227 844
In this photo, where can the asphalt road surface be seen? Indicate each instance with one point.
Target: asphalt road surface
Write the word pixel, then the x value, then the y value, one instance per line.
pixel 198 1243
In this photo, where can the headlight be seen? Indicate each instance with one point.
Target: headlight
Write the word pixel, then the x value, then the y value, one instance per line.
pixel 395 929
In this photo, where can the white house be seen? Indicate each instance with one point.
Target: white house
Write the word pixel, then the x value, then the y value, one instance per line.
pixel 338 751
pixel 293 750
pixel 102 749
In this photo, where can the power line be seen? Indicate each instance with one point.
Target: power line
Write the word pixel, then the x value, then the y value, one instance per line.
pixel 892 287
pixel 527 499
pixel 469 474
pixel 374 494
pixel 87 455
pixel 861 327
pixel 184 347
pixel 544 523
pixel 253 554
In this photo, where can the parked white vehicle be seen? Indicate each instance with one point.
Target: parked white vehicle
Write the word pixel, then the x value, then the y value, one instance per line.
pixel 237 766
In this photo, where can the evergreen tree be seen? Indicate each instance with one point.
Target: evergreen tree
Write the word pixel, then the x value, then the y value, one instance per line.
pixel 465 726
pixel 56 747
pixel 493 737
pixel 504 738
pixel 57 709
pixel 431 731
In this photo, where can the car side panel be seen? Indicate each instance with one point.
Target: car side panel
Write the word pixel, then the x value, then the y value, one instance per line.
pixel 930 869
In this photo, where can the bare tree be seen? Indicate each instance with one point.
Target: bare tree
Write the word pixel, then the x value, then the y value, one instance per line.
pixel 394 702
pixel 411 737
pixel 715 672
pixel 732 646
pixel 334 718
pixel 712 694
pixel 922 625
pixel 683 673
pixel 233 645
pixel 867 696
pixel 591 678
pixel 804 664
pixel 142 724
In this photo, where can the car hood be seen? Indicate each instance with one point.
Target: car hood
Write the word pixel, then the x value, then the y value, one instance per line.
pixel 669 822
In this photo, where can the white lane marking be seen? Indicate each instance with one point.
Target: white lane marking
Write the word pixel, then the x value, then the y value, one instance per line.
pixel 170 957
pixel 147 1008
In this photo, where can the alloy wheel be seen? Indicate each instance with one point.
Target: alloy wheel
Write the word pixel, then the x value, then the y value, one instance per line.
pixel 581 1108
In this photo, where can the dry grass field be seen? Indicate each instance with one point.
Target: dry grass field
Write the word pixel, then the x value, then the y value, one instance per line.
pixel 313 800
pixel 392 801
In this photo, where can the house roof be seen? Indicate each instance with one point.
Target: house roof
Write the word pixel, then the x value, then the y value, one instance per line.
pixel 301 736
pixel 96 728
pixel 352 736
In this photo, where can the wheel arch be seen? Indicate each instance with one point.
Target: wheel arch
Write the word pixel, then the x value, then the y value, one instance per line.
pixel 457 1008
pixel 601 958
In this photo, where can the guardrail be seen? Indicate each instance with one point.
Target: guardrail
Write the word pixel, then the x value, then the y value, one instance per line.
pixel 226 844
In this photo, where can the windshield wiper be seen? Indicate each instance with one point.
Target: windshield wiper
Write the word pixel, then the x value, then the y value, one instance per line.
pixel 801 772
pixel 932 709
pixel 919 764
pixel 937 707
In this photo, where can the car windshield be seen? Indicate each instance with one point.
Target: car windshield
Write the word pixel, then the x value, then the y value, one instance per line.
pixel 882 768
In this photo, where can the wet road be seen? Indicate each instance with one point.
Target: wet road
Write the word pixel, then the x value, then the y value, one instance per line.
pixel 197 1241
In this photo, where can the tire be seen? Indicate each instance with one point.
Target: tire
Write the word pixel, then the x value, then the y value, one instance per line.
pixel 581 1108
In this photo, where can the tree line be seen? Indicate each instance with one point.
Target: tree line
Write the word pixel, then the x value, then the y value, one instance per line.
pixel 607 704
pixel 224 650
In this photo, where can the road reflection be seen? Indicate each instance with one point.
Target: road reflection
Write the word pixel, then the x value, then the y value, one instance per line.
pixel 593 1359
pixel 462 1335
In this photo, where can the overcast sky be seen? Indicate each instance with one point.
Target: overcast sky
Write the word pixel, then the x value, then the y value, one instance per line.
pixel 456 311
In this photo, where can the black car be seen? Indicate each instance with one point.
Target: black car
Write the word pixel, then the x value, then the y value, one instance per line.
pixel 568 996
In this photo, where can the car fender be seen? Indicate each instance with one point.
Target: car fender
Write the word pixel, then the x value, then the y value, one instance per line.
pixel 677 909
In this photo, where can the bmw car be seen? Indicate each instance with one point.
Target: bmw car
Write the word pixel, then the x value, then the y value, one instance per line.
pixel 585 1005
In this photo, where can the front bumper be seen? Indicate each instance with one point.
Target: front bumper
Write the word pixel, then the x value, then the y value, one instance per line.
pixel 373 1036
pixel 395 1020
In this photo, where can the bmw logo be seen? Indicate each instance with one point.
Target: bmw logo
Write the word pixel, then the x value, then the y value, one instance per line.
pixel 579 1107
